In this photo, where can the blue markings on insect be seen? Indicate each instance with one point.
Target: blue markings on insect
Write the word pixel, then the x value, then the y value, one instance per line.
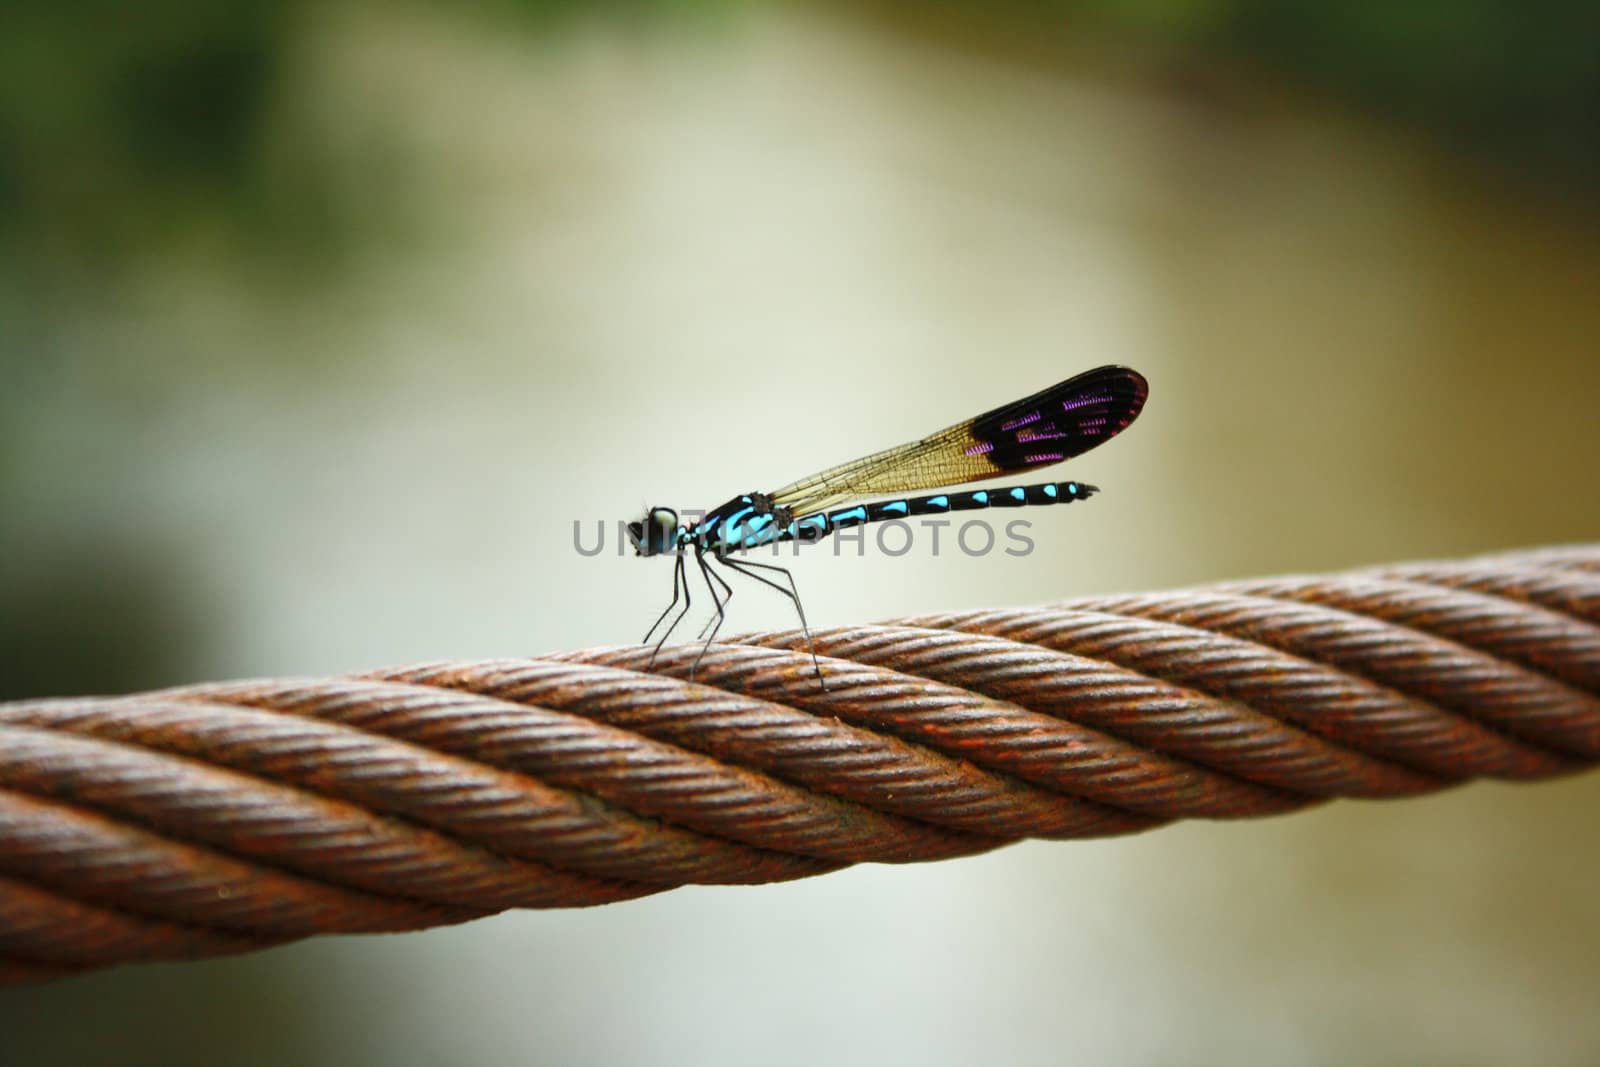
pixel 813 527
pixel 750 525
pixel 758 533
pixel 727 529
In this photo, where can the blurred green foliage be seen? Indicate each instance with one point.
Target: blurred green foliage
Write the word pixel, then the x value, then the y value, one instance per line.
pixel 90 618
pixel 1517 83
pixel 1511 79
pixel 121 125
pixel 119 122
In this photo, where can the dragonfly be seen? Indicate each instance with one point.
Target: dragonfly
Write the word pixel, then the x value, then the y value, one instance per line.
pixel 1049 427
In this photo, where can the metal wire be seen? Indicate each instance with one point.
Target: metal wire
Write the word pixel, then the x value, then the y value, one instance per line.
pixel 221 818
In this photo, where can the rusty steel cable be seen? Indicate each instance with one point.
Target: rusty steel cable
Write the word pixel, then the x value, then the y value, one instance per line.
pixel 220 818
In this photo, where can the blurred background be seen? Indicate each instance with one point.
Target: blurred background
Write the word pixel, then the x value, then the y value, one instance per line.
pixel 321 324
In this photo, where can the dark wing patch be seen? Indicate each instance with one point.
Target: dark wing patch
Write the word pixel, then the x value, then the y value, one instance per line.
pixel 1058 423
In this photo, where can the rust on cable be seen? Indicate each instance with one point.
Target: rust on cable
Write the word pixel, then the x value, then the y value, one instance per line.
pixel 221 818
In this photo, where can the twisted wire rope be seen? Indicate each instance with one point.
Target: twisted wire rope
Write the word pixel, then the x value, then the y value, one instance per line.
pixel 221 818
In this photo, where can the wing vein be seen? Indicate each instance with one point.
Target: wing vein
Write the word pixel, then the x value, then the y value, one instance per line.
pixel 1053 425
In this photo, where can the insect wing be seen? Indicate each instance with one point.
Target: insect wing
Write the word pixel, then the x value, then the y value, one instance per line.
pixel 1055 424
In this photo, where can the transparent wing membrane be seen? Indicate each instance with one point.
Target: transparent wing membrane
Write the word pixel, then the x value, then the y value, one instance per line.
pixel 1055 424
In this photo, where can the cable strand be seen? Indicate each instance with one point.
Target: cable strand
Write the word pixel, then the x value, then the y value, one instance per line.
pixel 218 818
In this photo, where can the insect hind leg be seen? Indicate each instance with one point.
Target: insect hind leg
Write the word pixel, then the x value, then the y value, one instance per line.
pixel 793 593
pixel 713 579
pixel 727 595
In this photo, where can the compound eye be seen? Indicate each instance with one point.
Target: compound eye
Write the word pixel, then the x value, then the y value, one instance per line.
pixel 656 533
pixel 665 520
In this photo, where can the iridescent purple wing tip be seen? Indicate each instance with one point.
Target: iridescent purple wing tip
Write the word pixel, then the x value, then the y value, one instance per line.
pixel 1063 421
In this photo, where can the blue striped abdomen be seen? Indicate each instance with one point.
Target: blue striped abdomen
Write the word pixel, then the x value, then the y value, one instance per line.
pixel 816 527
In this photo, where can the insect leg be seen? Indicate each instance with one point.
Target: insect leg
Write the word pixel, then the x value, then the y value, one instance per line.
pixel 711 576
pixel 793 593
